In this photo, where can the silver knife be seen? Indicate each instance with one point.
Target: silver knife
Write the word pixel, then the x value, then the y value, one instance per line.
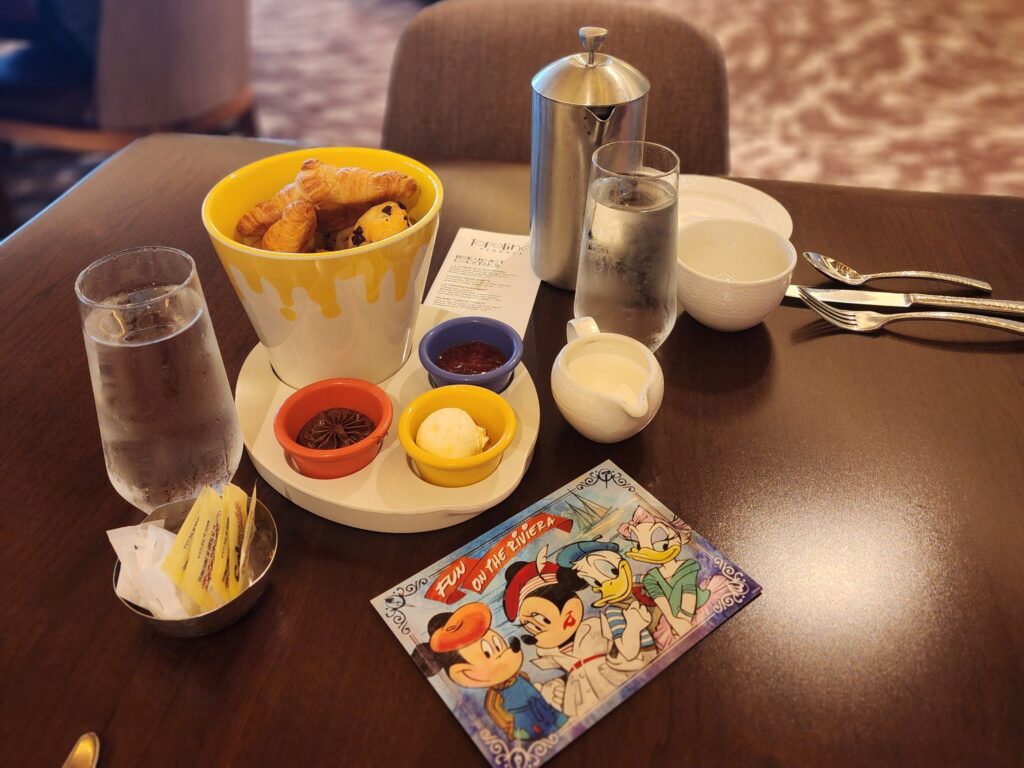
pixel 869 298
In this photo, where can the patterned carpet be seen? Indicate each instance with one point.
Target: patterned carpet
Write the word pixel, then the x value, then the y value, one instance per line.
pixel 314 79
pixel 926 95
pixel 922 95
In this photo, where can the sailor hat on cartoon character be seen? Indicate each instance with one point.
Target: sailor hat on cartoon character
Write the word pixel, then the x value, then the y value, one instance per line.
pixel 600 564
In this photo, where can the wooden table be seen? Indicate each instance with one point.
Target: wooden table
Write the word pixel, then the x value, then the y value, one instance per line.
pixel 873 485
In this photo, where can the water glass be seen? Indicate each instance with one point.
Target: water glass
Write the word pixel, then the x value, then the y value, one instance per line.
pixel 627 268
pixel 167 419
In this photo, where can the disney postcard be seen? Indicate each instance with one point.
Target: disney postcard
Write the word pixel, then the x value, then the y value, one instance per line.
pixel 535 630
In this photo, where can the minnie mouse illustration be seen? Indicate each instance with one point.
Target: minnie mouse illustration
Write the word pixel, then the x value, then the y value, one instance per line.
pixel 543 597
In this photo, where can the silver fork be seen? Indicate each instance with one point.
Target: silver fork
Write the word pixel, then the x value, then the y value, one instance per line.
pixel 865 321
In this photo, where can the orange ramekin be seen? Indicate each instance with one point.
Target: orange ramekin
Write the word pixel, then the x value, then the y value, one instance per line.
pixel 305 403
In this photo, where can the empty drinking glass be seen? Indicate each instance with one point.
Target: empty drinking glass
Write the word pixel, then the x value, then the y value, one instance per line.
pixel 627 270
pixel 166 415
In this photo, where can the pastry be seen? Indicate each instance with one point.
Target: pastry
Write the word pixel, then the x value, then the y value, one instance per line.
pixel 379 222
pixel 294 231
pixel 257 221
pixel 339 196
pixel 322 183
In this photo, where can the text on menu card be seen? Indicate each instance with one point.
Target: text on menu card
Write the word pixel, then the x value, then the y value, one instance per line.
pixel 487 274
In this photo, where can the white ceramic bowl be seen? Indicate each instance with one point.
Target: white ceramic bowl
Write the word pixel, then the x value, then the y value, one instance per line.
pixel 732 274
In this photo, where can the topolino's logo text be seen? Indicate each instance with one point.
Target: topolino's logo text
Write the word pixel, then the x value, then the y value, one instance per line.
pixel 496 246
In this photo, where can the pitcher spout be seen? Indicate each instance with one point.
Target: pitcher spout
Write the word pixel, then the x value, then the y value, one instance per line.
pixel 637 408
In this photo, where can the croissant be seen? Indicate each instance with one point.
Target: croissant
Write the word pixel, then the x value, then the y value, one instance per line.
pixel 340 195
pixel 323 183
pixel 294 231
pixel 253 224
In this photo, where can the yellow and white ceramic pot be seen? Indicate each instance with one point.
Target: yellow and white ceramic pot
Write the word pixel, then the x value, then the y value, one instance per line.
pixel 334 314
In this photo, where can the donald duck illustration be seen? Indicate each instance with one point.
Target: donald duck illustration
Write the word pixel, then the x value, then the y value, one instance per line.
pixel 543 598
pixel 624 620
pixel 672 586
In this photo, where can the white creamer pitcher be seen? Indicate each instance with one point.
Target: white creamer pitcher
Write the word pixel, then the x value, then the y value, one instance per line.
pixel 606 385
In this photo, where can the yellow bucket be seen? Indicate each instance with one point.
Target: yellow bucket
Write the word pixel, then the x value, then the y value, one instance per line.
pixel 334 314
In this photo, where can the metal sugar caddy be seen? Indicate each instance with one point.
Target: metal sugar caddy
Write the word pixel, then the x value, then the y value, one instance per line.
pixel 580 102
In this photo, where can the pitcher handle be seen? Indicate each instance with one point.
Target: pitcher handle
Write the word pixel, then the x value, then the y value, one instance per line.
pixel 581 326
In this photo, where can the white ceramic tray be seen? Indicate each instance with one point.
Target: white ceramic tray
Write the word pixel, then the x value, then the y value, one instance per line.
pixel 387 495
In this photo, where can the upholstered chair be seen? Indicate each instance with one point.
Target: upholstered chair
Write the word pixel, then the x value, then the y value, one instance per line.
pixel 168 65
pixel 460 79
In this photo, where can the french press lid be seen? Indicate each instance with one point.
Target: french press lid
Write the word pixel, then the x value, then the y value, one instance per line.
pixel 591 79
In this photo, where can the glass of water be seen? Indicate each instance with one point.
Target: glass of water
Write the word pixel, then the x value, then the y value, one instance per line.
pixel 627 271
pixel 166 415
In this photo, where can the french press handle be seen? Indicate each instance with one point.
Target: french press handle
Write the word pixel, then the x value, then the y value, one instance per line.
pixel 592 38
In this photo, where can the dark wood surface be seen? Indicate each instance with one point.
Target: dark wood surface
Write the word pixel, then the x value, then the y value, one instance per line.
pixel 873 485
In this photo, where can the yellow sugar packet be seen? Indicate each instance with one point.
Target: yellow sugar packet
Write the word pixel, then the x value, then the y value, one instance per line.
pixel 176 560
pixel 195 582
pixel 229 546
pixel 221 578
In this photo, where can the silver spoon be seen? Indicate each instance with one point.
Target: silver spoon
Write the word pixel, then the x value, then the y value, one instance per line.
pixel 845 274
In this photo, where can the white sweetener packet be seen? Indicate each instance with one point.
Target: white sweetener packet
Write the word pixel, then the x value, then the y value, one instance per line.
pixel 141 550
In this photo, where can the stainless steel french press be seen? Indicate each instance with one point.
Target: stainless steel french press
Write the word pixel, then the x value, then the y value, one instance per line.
pixel 579 103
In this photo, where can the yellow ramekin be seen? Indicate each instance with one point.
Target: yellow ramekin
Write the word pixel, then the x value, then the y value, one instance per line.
pixel 487 409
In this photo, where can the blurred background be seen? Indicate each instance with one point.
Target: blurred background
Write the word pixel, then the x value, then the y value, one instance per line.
pixel 906 94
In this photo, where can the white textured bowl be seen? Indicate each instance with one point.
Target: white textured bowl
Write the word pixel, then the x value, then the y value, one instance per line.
pixel 732 273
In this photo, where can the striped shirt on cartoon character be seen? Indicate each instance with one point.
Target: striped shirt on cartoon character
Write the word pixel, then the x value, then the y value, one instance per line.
pixel 624 619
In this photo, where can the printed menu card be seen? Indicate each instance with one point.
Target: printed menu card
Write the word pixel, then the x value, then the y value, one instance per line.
pixel 487 274
pixel 535 630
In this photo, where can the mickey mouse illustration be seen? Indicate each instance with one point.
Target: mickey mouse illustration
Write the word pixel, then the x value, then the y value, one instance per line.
pixel 474 655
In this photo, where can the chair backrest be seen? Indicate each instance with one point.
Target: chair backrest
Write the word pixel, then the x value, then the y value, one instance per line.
pixel 460 79
pixel 162 63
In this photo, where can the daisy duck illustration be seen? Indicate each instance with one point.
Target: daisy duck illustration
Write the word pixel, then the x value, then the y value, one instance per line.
pixel 624 619
pixel 673 587
pixel 474 655
pixel 543 598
